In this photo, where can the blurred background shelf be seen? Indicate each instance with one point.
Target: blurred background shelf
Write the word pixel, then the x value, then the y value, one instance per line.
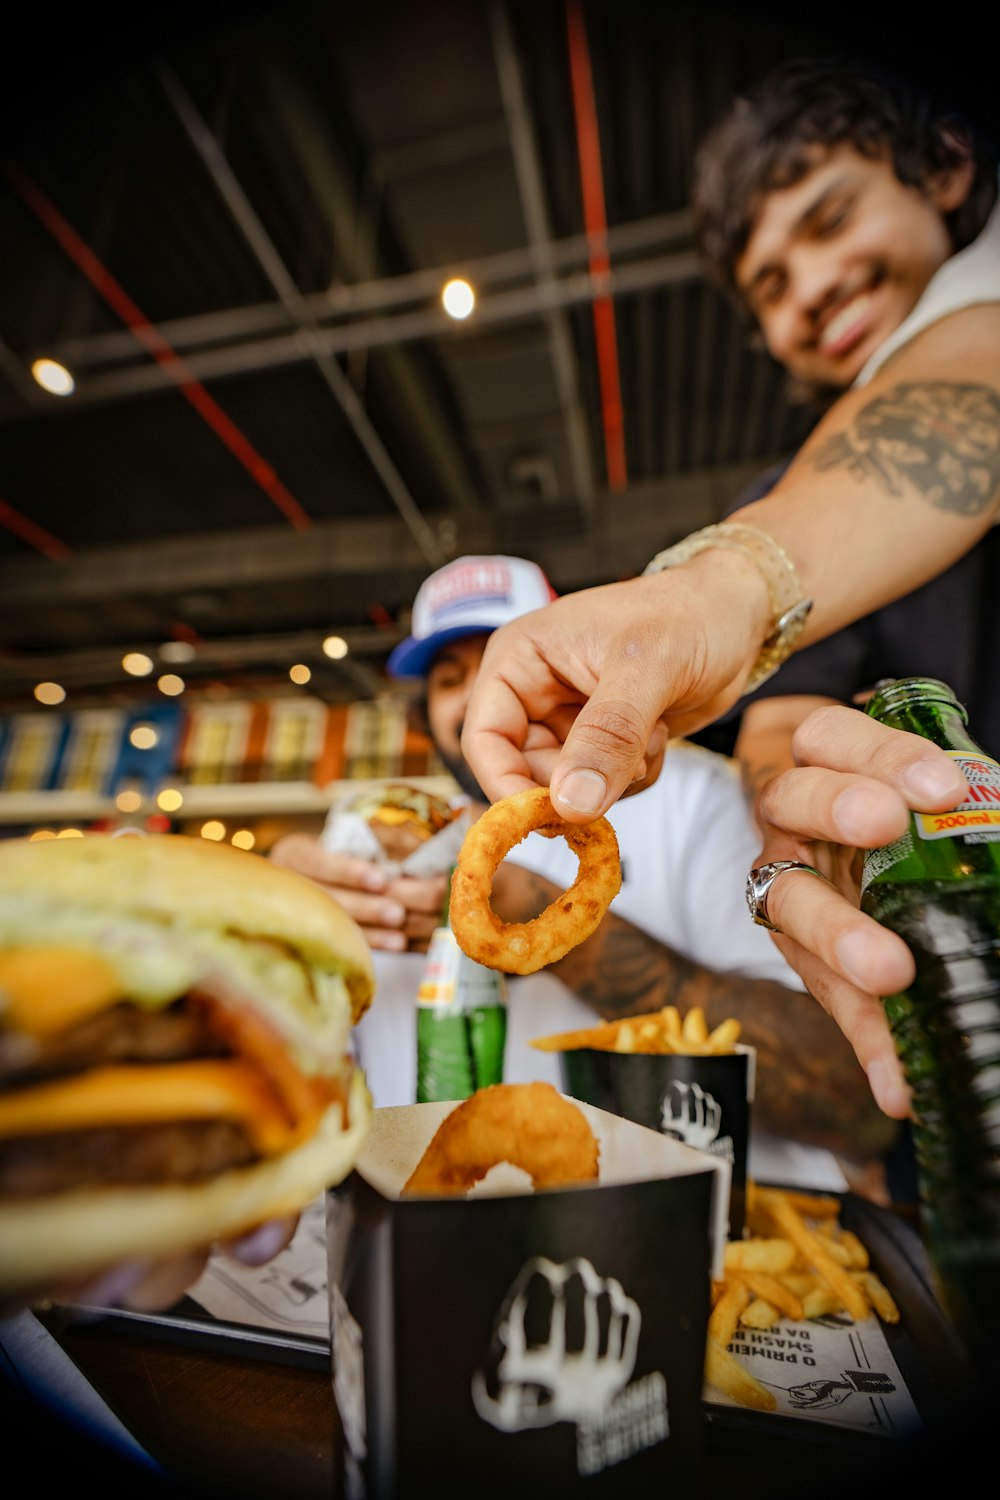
pixel 208 801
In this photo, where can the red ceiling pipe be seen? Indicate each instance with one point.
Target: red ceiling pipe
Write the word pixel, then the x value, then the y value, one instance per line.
pixel 155 344
pixel 596 225
pixel 28 531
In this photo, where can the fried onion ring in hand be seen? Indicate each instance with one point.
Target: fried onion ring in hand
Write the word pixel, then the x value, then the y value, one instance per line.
pixel 529 1125
pixel 525 947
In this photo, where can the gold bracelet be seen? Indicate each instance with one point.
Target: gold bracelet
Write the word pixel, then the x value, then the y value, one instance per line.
pixel 790 609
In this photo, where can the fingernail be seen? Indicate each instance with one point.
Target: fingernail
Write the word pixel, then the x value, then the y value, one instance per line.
pixel 393 914
pixel 854 954
pixel 583 791
pixel 931 781
pixel 374 880
pixel 262 1245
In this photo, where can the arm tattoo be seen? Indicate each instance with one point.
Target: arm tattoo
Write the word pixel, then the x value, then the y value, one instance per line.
pixel 941 437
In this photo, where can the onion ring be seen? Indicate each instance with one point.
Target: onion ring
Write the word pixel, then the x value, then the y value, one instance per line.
pixel 529 1125
pixel 525 947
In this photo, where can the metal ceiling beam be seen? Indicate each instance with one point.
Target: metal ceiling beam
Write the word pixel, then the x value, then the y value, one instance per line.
pixel 659 512
pixel 531 187
pixel 378 294
pixel 289 349
pixel 306 328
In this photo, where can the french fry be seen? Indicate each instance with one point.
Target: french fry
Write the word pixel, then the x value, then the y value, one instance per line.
pixel 725 1314
pixel 858 1253
pixel 799 1282
pixel 724 1037
pixel 695 1027
pixel 625 1040
pixel 724 1373
pixel 773 1291
pixel 756 1254
pixel 660 1031
pixel 816 1253
pixel 759 1314
pixel 881 1298
pixel 821 1301
pixel 671 1017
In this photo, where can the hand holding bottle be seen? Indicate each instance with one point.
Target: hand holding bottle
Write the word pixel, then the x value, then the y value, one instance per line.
pixel 853 788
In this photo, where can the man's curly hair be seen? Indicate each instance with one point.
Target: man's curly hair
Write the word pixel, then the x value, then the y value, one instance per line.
pixel 768 140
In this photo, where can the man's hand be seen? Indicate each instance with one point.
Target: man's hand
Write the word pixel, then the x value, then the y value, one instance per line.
pixel 394 913
pixel 853 787
pixel 582 694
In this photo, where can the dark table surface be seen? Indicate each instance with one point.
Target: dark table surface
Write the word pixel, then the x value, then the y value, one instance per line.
pixel 221 1424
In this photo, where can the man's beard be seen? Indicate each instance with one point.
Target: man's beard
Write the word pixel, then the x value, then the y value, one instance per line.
pixel 462 773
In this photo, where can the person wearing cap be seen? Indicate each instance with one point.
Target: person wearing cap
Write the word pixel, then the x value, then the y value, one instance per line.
pixel 675 934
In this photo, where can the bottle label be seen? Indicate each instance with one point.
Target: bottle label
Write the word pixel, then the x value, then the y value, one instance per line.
pixel 977 818
pixel 453 981
pixel 439 985
pixel 974 821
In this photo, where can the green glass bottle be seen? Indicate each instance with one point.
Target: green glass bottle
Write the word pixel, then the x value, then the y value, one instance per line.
pixel 461 1020
pixel 938 887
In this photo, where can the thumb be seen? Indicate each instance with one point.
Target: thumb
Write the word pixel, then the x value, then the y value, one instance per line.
pixel 604 750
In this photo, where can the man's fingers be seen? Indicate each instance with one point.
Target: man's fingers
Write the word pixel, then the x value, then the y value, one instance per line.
pixel 861 1017
pixel 844 739
pixel 306 855
pixel 837 808
pixel 807 909
pixel 604 753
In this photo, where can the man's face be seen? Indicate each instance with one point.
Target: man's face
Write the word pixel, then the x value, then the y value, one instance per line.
pixel 449 686
pixel 835 262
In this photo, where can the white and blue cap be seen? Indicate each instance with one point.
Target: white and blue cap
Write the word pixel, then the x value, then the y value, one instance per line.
pixel 469 596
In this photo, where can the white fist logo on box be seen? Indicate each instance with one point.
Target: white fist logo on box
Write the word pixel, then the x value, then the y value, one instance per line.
pixel 562 1378
pixel 692 1115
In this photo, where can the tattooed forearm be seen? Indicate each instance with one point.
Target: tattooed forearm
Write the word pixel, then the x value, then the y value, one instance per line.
pixel 939 437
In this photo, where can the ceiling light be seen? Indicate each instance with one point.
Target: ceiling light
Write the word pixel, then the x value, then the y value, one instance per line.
pixel 170 684
pixel 53 377
pixel 143 736
pixel 128 801
pixel 299 673
pixel 213 830
pixel 177 652
pixel 170 799
pixel 137 664
pixel 335 647
pixel 244 839
pixel 458 298
pixel 49 692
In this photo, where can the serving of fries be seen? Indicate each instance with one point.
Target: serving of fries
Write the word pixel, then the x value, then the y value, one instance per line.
pixel 797 1262
pixel 658 1031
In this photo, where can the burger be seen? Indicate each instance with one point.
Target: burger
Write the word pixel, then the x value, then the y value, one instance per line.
pixel 401 818
pixel 175 1050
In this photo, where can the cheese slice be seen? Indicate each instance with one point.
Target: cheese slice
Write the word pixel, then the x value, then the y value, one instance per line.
pixel 206 1089
pixel 46 990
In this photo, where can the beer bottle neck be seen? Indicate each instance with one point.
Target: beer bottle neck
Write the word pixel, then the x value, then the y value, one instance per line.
pixel 924 706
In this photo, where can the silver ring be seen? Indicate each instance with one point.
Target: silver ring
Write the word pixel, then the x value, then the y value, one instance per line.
pixel 759 882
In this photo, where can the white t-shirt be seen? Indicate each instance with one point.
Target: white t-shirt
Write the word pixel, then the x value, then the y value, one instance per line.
pixel 686 844
pixel 966 279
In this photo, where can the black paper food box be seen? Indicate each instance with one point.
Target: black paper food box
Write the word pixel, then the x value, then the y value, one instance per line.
pixel 547 1341
pixel 704 1101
